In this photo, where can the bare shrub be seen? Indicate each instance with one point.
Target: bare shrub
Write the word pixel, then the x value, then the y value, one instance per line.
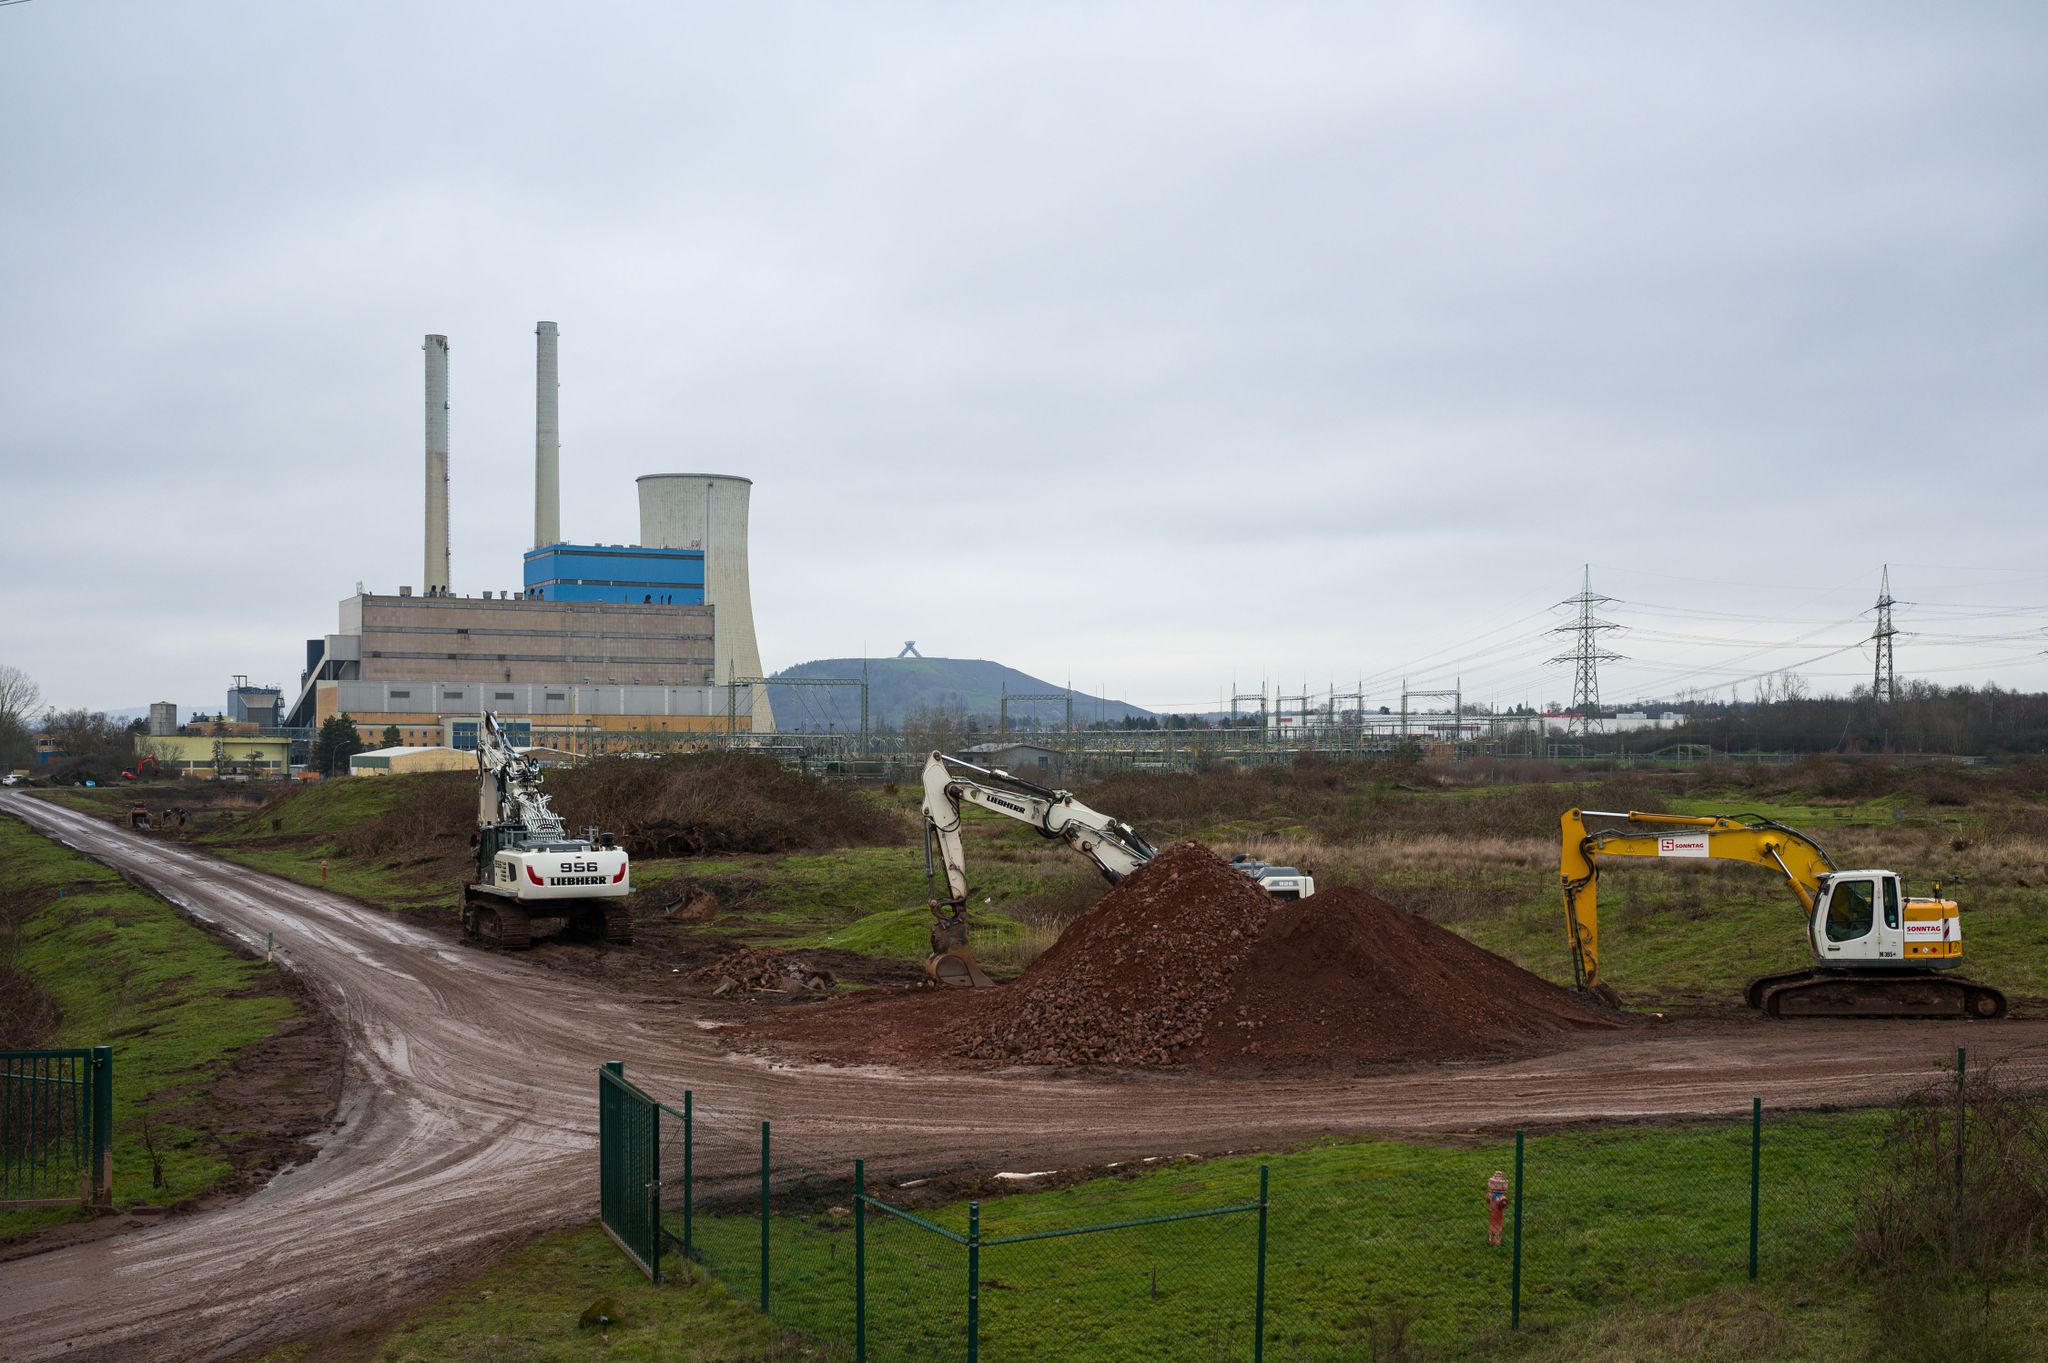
pixel 693 804
pixel 1957 1205
pixel 1979 1215
pixel 436 813
pixel 690 804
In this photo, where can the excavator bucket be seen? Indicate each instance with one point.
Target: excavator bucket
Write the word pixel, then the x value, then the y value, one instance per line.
pixel 956 968
pixel 951 962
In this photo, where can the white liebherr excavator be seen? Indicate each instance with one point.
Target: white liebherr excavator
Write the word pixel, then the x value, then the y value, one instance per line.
pixel 1114 846
pixel 532 877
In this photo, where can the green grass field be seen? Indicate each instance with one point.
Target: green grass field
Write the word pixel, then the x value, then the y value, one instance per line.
pixel 1635 1250
pixel 128 971
pixel 1361 1234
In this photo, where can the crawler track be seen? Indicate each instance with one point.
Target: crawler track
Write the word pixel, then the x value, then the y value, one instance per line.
pixel 469 1116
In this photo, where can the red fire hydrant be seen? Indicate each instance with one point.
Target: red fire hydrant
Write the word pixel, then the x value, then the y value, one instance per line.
pixel 1496 1205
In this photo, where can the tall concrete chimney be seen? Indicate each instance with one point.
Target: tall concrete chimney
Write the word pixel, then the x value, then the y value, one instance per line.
pixel 547 439
pixel 437 466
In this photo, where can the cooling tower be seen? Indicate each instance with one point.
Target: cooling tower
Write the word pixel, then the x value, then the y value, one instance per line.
pixel 708 511
pixel 547 439
pixel 437 466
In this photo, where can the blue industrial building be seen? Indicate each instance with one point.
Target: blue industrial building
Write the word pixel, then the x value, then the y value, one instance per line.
pixel 625 573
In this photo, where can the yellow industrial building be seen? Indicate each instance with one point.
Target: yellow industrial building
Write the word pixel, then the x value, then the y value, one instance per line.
pixel 208 755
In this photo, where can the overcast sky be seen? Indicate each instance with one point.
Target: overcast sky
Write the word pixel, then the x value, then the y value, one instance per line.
pixel 1152 344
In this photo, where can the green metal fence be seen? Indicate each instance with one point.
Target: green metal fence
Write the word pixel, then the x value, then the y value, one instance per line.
pixel 629 1173
pixel 1345 1249
pixel 56 1127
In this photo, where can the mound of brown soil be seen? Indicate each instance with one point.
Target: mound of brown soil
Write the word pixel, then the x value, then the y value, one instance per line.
pixel 1188 962
pixel 1344 980
pixel 1135 979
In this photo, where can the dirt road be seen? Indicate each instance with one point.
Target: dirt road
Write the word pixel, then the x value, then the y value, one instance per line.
pixel 469 1115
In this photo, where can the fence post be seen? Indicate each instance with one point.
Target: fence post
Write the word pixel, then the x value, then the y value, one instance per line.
pixel 607 1146
pixel 860 1261
pixel 1515 1272
pixel 103 1125
pixel 1259 1292
pixel 973 1282
pixel 764 1217
pixel 1756 1174
pixel 689 1191
pixel 653 1113
pixel 1961 1116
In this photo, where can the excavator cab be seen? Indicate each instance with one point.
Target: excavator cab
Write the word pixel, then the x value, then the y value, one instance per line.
pixel 1864 919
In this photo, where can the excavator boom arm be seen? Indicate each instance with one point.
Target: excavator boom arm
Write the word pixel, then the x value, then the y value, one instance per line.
pixel 1744 837
pixel 511 784
pixel 1114 846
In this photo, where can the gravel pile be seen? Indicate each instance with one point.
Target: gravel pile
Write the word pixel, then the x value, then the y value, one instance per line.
pixel 1135 979
pixel 1345 980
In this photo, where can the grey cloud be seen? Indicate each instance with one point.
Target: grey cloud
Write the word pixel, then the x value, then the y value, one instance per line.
pixel 1298 339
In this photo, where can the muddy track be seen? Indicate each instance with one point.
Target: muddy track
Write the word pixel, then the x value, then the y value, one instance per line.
pixel 469 1118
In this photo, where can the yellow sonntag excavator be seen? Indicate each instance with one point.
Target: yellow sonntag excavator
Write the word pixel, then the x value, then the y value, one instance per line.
pixel 1876 953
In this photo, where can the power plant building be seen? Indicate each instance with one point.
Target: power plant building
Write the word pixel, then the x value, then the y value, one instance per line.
pixel 604 647
pixel 574 669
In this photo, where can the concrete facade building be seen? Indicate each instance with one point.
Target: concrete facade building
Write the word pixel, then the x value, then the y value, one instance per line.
pixel 163 718
pixel 708 512
pixel 571 670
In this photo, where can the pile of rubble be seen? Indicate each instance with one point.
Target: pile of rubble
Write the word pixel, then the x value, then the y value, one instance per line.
pixel 761 970
pixel 1187 962
pixel 1134 980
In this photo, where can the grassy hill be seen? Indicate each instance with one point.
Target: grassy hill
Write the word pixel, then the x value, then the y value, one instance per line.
pixel 903 688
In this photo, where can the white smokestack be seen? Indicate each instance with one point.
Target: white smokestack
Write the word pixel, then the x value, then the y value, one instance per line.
pixel 547 439
pixel 708 511
pixel 437 465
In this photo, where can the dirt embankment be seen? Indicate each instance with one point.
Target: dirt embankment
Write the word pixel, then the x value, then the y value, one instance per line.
pixel 1187 963
pixel 257 1113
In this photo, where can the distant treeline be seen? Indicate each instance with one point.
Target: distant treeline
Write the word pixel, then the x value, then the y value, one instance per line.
pixel 1925 718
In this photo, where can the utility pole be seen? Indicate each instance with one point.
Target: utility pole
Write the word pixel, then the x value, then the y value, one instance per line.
pixel 1585 656
pixel 1884 680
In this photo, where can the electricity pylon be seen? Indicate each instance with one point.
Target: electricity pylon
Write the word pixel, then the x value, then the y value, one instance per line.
pixel 1585 656
pixel 1884 678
